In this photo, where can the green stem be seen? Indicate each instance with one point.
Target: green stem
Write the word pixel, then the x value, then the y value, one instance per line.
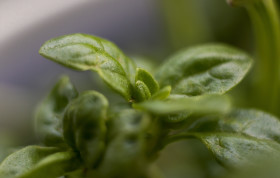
pixel 265 20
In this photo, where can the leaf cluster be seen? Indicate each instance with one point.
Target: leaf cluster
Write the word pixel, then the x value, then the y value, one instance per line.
pixel 84 137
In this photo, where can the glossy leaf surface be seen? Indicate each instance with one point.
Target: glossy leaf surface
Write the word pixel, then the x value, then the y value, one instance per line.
pixel 86 52
pixel 48 119
pixel 205 69
pixel 84 126
pixel 36 161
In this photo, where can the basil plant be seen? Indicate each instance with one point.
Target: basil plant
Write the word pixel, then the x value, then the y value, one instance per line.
pixel 83 135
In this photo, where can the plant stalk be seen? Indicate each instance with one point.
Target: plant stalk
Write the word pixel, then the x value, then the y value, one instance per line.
pixel 265 20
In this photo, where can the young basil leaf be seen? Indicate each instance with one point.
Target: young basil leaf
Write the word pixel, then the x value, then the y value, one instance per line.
pixel 36 161
pixel 84 126
pixel 162 93
pixel 86 52
pixel 128 65
pixel 235 150
pixel 239 137
pixel 253 123
pixel 200 104
pixel 23 160
pixel 55 165
pixel 205 69
pixel 126 152
pixel 142 92
pixel 48 119
pixel 148 79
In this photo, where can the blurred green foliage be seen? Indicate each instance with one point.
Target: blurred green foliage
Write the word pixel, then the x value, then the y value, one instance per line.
pixel 190 22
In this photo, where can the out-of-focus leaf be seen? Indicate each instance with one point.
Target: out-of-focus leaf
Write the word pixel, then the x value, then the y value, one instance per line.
pixel 54 165
pixel 48 119
pixel 205 69
pixel 178 117
pixel 162 93
pixel 200 104
pixel 126 152
pixel 84 126
pixel 35 161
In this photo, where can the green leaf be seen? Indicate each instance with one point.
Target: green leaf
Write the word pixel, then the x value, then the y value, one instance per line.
pixel 205 69
pixel 126 150
pixel 54 165
pixel 252 123
pixel 238 138
pixel 128 65
pixel 148 79
pixel 179 103
pixel 35 161
pixel 162 93
pixel 235 150
pixel 142 92
pixel 84 126
pixel 48 119
pixel 86 52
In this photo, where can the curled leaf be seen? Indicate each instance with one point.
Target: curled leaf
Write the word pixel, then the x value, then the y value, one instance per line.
pixel 35 161
pixel 126 152
pixel 84 126
pixel 48 119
